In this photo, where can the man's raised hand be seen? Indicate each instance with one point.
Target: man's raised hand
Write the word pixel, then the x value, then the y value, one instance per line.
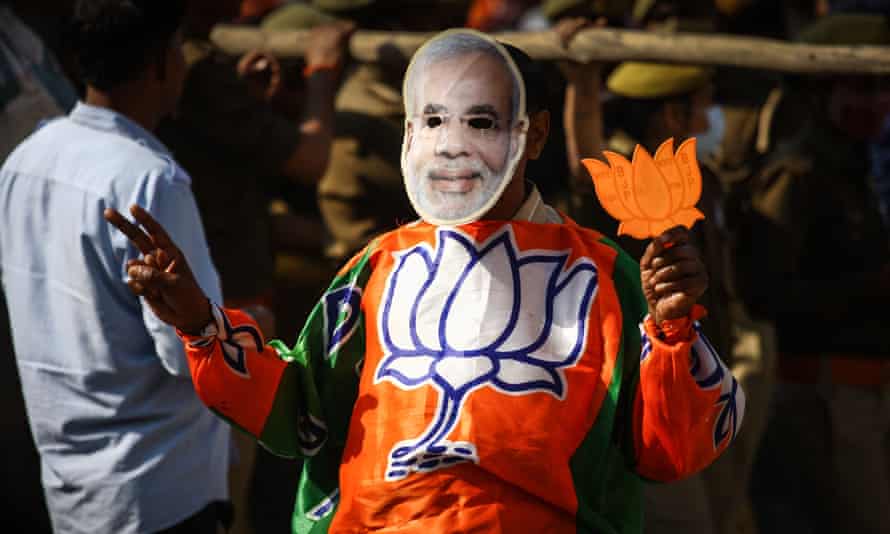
pixel 673 275
pixel 162 275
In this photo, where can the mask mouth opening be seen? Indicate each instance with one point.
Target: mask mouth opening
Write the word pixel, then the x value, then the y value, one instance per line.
pixel 465 126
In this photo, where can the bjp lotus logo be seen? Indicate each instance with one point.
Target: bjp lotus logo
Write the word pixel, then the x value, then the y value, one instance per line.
pixel 459 317
pixel 650 195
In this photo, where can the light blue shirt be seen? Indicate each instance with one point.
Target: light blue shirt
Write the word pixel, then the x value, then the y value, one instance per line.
pixel 125 443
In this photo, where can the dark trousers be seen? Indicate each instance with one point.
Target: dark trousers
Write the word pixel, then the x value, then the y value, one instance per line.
pixel 206 521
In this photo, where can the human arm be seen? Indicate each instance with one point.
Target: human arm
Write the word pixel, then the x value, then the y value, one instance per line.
pixel 687 407
pixel 313 115
pixel 225 111
pixel 167 196
pixel 324 59
pixel 582 112
pixel 279 395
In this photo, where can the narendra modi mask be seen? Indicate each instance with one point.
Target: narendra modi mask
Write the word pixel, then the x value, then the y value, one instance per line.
pixel 465 126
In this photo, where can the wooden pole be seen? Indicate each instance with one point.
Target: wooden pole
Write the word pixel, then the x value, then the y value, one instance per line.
pixel 599 44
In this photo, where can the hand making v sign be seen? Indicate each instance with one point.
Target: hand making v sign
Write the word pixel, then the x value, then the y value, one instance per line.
pixel 162 276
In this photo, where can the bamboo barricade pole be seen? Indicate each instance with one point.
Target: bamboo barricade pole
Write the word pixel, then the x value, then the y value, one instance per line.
pixel 598 44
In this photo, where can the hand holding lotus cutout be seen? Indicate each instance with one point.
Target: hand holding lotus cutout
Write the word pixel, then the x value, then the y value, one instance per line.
pixel 649 195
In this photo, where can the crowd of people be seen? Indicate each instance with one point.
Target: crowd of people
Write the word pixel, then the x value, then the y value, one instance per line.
pixel 271 173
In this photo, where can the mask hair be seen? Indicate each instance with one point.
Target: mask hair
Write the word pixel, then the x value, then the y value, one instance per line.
pixel 455 45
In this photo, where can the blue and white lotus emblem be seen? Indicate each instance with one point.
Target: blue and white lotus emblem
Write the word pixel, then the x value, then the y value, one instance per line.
pixel 462 316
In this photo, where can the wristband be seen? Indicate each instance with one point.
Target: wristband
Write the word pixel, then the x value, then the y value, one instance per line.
pixel 309 70
pixel 676 330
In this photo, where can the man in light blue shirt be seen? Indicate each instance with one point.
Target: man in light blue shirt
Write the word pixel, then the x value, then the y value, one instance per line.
pixel 124 442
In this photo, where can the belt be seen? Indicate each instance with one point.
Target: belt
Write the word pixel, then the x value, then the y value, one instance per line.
pixel 844 369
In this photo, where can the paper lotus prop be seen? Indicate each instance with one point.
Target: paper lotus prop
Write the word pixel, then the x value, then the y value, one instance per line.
pixel 649 195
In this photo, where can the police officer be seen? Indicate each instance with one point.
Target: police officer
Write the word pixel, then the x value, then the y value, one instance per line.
pixel 818 263
pixel 361 194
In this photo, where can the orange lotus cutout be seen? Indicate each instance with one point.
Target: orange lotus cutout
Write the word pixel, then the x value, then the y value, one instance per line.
pixel 649 195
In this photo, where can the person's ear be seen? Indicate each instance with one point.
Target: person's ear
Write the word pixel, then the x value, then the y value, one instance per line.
pixel 538 130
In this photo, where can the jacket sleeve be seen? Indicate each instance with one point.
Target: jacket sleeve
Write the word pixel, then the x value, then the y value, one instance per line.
pixel 687 408
pixel 293 400
pixel 250 383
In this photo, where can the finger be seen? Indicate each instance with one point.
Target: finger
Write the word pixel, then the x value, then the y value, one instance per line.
pixel 159 260
pixel 658 248
pixel 568 28
pixel 163 260
pixel 248 61
pixel 677 271
pixel 158 234
pixel 674 255
pixel 673 237
pixel 150 260
pixel 261 64
pixel 691 286
pixel 151 277
pixel 649 254
pixel 675 306
pixel 137 236
pixel 154 300
pixel 137 287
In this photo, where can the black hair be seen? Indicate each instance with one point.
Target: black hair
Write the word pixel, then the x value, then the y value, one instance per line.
pixel 114 41
pixel 633 114
pixel 532 76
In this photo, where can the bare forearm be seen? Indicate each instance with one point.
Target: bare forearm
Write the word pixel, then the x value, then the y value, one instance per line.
pixel 582 117
pixel 309 160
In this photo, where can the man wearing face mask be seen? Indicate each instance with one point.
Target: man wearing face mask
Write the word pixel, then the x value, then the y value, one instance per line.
pixel 481 369
pixel 818 263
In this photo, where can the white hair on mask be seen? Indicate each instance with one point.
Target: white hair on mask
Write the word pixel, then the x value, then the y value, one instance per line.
pixel 452 46
pixel 457 188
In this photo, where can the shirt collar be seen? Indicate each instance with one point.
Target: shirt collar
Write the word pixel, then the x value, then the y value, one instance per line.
pixel 108 120
pixel 534 209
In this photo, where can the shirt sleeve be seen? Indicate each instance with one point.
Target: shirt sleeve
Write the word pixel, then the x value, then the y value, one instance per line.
pixel 167 196
pixel 293 400
pixel 687 408
pixel 238 376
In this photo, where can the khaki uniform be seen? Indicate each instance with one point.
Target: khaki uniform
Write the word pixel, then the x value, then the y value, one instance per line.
pixel 611 9
pixel 815 254
pixel 361 194
pixel 716 499
pixel 818 250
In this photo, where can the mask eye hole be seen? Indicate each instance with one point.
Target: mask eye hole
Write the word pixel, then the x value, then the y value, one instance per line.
pixel 433 121
pixel 481 123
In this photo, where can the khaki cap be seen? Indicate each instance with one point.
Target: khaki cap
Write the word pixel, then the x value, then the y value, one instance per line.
pixel 656 80
pixel 295 17
pixel 554 9
pixel 335 6
pixel 847 29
